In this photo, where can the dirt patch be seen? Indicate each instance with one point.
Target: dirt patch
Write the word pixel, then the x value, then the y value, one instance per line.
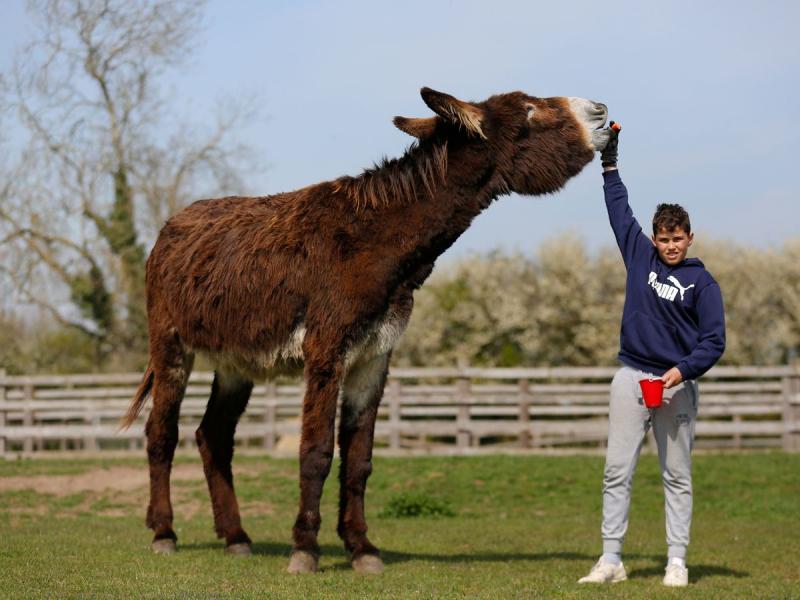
pixel 186 509
pixel 26 510
pixel 114 479
pixel 118 490
pixel 259 508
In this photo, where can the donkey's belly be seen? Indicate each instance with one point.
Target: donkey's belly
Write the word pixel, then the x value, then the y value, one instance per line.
pixel 287 358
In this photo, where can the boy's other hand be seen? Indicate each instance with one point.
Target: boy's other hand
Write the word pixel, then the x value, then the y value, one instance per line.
pixel 672 377
pixel 608 157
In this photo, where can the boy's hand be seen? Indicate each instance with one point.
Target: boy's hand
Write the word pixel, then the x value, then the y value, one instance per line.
pixel 672 378
pixel 608 157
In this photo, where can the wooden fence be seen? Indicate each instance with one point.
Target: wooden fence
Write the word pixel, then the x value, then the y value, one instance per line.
pixel 458 410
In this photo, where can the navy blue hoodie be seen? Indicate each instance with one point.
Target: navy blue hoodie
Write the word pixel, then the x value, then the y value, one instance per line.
pixel 673 316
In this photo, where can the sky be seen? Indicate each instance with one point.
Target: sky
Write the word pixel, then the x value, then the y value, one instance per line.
pixel 707 93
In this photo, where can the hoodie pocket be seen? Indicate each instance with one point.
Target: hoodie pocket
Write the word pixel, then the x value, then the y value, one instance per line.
pixel 651 340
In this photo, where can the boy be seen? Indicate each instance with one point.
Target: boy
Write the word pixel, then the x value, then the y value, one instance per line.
pixel 673 327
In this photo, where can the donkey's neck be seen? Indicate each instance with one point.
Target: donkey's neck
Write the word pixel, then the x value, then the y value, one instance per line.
pixel 418 174
pixel 421 228
pixel 416 206
pixel 471 184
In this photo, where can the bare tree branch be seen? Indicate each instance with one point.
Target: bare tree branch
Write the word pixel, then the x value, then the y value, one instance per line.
pixel 101 157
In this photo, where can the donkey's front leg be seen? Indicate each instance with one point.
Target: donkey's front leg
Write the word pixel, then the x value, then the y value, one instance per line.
pixel 361 395
pixel 316 454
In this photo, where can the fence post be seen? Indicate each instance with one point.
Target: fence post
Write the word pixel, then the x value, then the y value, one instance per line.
pixel 270 415
pixel 737 435
pixel 394 413
pixel 791 423
pixel 91 418
pixel 62 443
pixel 524 413
pixel 27 417
pixel 94 420
pixel 2 412
pixel 462 421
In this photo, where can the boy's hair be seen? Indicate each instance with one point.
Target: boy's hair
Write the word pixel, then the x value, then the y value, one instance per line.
pixel 670 217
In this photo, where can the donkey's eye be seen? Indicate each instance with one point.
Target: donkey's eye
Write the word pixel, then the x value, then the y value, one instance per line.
pixel 531 111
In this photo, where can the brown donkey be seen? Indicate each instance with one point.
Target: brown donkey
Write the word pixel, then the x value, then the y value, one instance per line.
pixel 321 279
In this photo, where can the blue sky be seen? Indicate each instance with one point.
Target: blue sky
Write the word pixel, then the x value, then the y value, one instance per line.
pixel 707 93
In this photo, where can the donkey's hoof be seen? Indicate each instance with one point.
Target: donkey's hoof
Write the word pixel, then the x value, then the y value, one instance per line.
pixel 302 562
pixel 367 563
pixel 164 546
pixel 239 549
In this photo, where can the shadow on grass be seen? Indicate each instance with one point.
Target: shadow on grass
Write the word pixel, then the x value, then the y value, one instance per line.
pixel 392 557
pixel 696 572
pixel 259 548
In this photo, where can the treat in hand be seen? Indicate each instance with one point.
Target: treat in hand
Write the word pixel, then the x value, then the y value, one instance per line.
pixel 608 157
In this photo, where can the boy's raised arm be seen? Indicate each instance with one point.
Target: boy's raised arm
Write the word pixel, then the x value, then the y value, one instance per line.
pixel 630 237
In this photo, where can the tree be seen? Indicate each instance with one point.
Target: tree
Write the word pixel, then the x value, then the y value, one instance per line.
pixel 788 293
pixel 580 304
pixel 559 308
pixel 102 164
pixel 757 328
pixel 476 313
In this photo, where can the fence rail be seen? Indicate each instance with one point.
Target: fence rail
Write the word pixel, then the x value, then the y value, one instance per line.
pixel 436 410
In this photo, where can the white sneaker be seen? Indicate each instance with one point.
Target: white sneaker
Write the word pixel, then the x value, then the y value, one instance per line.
pixel 604 572
pixel 676 576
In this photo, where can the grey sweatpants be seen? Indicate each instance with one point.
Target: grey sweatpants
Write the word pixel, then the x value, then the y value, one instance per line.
pixel 673 426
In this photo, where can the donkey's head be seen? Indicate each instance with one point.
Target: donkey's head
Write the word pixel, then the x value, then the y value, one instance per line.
pixel 534 145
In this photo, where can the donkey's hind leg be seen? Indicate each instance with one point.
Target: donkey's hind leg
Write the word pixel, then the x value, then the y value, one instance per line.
pixel 169 384
pixel 229 396
pixel 361 395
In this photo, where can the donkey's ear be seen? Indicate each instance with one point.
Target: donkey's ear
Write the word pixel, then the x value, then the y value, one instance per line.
pixel 454 110
pixel 419 128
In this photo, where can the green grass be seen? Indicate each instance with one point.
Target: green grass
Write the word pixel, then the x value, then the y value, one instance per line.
pixel 521 527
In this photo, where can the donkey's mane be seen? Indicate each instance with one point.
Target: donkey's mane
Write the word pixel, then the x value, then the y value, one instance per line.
pixel 397 179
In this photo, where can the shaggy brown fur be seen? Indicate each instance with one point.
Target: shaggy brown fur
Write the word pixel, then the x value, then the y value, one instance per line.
pixel 321 279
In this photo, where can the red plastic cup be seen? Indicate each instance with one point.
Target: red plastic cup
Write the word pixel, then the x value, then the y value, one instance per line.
pixel 652 391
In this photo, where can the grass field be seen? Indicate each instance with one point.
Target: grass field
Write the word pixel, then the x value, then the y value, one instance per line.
pixel 521 527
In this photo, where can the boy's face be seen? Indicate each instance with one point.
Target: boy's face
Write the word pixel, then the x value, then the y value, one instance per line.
pixel 672 246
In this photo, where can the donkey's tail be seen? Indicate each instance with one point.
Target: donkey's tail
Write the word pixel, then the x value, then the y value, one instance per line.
pixel 138 400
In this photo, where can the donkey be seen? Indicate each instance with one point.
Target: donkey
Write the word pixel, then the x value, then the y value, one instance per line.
pixel 321 280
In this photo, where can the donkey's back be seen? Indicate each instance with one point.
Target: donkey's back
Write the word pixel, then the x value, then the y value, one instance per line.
pixel 235 276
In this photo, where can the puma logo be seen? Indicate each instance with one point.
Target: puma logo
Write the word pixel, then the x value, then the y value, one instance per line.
pixel 666 291
pixel 679 286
